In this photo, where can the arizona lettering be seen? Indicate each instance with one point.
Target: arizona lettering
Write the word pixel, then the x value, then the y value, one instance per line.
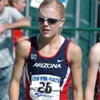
pixel 46 65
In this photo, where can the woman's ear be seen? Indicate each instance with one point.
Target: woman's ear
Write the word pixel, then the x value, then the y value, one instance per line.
pixel 62 22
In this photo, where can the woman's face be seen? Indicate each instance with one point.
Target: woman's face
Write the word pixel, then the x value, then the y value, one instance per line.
pixel 50 21
pixel 20 5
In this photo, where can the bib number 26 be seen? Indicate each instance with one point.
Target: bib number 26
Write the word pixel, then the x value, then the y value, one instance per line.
pixel 45 87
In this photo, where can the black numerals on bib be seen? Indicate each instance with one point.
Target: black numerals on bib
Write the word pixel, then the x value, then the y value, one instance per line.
pixel 45 87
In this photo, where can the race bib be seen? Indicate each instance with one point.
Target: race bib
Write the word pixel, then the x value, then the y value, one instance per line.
pixel 45 87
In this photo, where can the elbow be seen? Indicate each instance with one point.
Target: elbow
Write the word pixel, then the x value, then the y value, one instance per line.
pixel 77 94
pixel 89 94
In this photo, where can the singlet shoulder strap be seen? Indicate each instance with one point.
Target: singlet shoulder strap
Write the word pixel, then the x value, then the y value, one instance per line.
pixel 33 41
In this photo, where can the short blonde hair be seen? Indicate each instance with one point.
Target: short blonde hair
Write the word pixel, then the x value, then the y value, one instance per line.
pixel 55 3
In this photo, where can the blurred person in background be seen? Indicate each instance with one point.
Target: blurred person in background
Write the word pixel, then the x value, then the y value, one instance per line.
pixel 10 18
pixel 20 6
pixel 18 35
pixel 93 73
pixel 49 58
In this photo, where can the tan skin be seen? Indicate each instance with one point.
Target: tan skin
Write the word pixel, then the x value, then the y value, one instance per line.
pixel 49 41
pixel 92 69
pixel 6 2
